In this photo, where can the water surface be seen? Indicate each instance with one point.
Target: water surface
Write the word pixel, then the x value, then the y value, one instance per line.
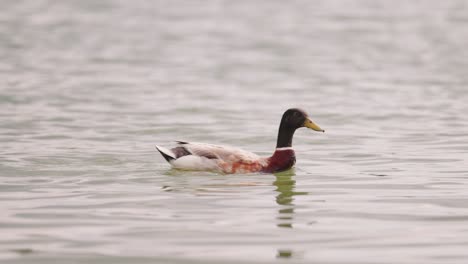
pixel 87 88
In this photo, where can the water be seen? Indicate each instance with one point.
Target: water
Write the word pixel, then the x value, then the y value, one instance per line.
pixel 87 88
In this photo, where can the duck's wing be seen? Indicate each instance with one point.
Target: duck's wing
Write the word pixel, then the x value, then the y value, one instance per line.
pixel 225 153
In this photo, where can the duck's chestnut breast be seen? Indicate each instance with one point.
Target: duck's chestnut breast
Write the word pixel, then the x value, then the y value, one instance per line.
pixel 283 159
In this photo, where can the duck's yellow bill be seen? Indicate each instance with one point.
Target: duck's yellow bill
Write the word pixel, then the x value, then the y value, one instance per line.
pixel 310 124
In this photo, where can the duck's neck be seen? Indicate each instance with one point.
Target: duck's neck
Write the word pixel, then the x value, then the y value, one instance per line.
pixel 285 136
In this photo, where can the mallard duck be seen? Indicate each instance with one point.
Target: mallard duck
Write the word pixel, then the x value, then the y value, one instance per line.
pixel 226 159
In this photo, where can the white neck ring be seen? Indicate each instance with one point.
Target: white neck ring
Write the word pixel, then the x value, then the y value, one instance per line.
pixel 285 148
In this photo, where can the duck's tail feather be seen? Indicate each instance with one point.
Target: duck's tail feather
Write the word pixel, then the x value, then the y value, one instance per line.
pixel 167 154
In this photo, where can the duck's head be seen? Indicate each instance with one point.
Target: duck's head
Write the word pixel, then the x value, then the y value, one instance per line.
pixel 293 119
pixel 296 118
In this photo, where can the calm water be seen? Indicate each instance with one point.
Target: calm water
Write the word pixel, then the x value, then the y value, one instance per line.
pixel 87 88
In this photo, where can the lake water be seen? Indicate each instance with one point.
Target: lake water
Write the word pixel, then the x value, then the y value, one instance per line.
pixel 87 88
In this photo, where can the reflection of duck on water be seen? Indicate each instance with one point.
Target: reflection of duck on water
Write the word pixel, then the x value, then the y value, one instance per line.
pixel 285 186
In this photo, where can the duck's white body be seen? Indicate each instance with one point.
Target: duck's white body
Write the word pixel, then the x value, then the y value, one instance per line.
pixel 202 156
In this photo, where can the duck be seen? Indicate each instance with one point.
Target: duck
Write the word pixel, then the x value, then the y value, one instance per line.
pixel 229 160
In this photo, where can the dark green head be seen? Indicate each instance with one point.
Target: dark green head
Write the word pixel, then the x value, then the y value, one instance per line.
pixel 293 119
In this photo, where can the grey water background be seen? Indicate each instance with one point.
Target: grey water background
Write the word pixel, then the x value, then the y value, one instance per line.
pixel 87 88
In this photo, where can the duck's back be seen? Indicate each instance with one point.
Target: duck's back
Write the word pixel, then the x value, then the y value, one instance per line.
pixel 225 153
